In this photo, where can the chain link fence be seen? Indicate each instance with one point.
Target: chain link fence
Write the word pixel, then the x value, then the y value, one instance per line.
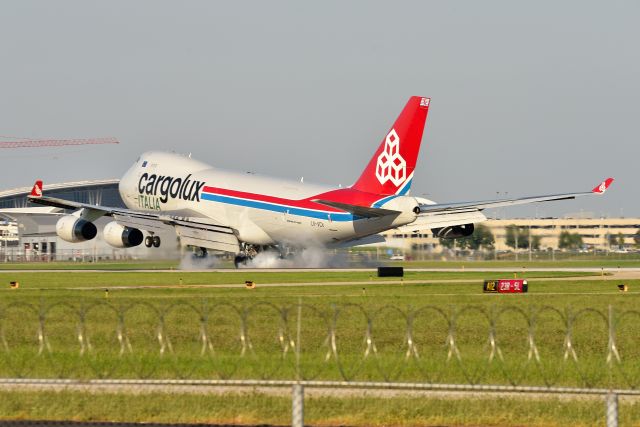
pixel 468 347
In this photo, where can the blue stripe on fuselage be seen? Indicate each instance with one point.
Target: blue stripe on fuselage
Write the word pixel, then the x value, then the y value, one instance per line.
pixel 404 190
pixel 381 202
pixel 335 216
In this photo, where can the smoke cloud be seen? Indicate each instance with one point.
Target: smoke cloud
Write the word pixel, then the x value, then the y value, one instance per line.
pixel 191 262
pixel 314 257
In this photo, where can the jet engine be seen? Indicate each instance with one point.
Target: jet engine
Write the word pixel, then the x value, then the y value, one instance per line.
pixel 74 229
pixel 454 232
pixel 120 236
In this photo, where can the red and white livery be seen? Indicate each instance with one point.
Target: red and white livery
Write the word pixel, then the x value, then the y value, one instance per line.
pixel 214 209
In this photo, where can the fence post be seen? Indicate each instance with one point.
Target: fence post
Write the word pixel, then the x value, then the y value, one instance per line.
pixel 297 407
pixel 297 399
pixel 611 405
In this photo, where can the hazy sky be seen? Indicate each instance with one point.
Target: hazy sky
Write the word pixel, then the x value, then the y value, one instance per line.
pixel 528 98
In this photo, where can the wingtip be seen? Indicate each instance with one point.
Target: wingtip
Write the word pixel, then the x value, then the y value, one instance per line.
pixel 603 186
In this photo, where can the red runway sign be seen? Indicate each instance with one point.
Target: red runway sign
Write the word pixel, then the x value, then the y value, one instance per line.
pixel 506 286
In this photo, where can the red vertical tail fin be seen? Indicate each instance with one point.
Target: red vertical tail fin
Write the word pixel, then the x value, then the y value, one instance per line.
pixel 390 170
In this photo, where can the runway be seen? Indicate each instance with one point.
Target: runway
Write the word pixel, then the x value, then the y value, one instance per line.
pixel 632 271
pixel 598 274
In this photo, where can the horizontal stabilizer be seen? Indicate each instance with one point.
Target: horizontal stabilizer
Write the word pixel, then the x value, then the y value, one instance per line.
pixel 361 211
pixel 368 240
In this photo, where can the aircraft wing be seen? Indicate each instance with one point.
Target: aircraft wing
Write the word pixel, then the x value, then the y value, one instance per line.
pixel 462 207
pixel 196 231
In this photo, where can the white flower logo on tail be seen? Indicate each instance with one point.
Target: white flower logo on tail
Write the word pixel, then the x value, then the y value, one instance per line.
pixel 391 166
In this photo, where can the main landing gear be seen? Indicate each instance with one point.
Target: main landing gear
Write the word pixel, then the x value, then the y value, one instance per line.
pixel 247 253
pixel 152 240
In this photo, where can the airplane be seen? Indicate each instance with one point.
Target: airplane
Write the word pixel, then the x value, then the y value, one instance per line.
pixel 244 213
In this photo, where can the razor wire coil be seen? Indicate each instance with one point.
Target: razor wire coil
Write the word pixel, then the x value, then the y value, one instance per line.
pixel 468 344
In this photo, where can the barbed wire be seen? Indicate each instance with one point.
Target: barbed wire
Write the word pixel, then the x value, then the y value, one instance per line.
pixel 467 344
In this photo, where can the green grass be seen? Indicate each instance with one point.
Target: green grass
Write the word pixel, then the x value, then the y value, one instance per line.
pixel 257 408
pixel 102 265
pixel 39 281
pixel 268 316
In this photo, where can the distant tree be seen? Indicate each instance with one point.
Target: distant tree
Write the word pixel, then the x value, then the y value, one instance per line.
pixel 482 238
pixel 535 242
pixel 522 234
pixel 570 240
pixel 448 243
pixel 636 238
pixel 510 235
pixel 616 240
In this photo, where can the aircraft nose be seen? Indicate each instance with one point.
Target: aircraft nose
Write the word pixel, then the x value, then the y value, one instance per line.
pixel 128 185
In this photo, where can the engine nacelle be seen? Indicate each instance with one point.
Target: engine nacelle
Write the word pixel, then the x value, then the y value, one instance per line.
pixel 454 232
pixel 120 236
pixel 74 229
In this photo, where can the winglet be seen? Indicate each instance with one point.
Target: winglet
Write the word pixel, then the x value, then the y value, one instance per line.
pixel 602 187
pixel 36 191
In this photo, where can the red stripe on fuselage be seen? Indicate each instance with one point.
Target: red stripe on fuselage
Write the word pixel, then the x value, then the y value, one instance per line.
pixel 343 195
pixel 301 203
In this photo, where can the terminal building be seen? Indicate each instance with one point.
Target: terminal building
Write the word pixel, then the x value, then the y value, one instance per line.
pixel 29 234
pixel 596 233
pixel 28 231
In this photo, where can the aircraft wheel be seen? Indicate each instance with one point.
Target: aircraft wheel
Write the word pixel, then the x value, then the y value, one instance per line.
pixel 156 241
pixel 148 241
pixel 239 259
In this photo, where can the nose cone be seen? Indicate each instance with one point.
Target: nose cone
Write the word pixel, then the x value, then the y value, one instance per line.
pixel 128 186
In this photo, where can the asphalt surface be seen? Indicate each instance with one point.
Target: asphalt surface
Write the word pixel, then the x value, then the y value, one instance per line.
pixel 629 270
pixel 609 275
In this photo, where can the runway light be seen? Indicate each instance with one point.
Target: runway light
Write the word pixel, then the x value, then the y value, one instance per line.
pixel 249 284
pixel 623 287
pixel 14 285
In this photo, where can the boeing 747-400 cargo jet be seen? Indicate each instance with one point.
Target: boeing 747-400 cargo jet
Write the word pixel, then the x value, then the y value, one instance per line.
pixel 218 210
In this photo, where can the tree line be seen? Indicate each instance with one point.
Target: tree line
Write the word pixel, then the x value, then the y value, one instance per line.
pixel 521 238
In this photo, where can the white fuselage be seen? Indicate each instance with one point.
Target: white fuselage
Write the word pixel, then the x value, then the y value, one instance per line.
pixel 261 210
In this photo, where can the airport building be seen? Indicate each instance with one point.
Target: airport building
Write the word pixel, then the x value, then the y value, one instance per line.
pixel 28 230
pixel 596 233
pixel 29 234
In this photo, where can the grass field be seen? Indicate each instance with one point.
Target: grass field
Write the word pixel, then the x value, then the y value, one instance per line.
pixel 162 317
pixel 257 408
pixel 62 281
